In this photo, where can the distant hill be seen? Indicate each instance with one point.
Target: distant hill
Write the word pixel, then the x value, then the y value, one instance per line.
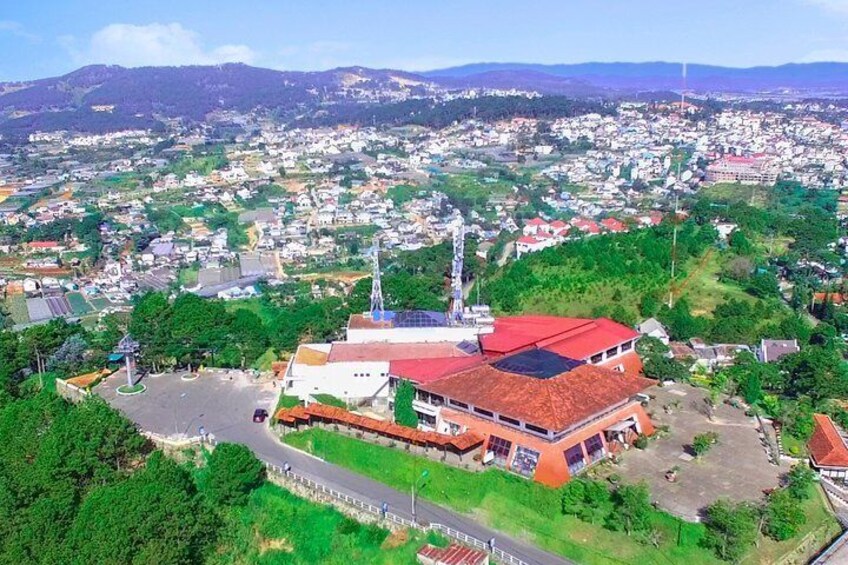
pixel 658 76
pixel 101 98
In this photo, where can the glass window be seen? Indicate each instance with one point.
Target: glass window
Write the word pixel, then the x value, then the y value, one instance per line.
pixel 536 429
pixel 594 447
pixel 483 412
pixel 500 448
pixel 627 346
pixel 597 358
pixel 457 403
pixel 575 459
pixel 509 420
pixel 612 352
pixel 525 460
pixel 436 400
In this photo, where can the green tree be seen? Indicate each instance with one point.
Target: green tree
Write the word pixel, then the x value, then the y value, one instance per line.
pixel 751 388
pixel 818 372
pixel 234 471
pixel 632 509
pixel 799 480
pixel 783 516
pixel 155 516
pixel 405 415
pixel 731 529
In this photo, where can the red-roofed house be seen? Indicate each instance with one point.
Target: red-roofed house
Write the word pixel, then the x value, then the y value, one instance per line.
pixel 543 416
pixel 613 225
pixel 589 227
pixel 536 225
pixel 828 453
pixel 454 554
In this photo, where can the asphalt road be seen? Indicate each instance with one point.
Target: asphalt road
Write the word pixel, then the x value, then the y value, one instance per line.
pixel 224 408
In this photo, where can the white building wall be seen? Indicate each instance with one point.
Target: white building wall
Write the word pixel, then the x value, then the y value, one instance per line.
pixel 350 381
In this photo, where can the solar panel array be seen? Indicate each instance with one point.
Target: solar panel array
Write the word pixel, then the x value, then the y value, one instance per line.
pixel 537 363
pixel 468 347
pixel 420 319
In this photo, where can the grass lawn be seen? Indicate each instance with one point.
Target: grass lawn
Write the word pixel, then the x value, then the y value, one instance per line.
pixel 521 508
pixel 255 305
pixel 754 194
pixel 78 303
pixel 286 401
pixel 188 277
pixel 704 291
pixel 264 361
pixel 793 446
pixel 269 529
pixel 329 400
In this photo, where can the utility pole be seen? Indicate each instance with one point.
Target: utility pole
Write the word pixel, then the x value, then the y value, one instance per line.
pixel 423 476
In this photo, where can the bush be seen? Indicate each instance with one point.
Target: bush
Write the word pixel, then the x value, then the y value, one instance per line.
pixel 641 442
pixel 404 413
pixel 702 443
pixel 234 471
pixel 783 516
pixel 799 481
pixel 731 529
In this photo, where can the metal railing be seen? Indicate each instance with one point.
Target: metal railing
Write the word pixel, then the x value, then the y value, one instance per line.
pixel 497 553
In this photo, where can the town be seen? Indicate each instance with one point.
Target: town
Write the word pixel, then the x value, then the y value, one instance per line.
pixel 494 313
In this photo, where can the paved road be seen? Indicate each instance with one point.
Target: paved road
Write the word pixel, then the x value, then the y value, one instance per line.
pixel 224 406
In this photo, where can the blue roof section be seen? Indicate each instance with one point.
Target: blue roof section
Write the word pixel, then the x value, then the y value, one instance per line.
pixel 385 316
pixel 536 363
pixel 420 319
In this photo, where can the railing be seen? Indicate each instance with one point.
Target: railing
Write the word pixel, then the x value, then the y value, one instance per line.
pixel 496 553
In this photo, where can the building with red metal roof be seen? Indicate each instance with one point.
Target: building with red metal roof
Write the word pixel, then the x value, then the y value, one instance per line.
pixel 828 453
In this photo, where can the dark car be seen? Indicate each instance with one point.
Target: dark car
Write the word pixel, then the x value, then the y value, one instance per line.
pixel 259 415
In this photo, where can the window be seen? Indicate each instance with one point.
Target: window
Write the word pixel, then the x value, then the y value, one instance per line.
pixel 437 400
pixel 594 447
pixel 627 346
pixel 483 412
pixel 536 429
pixel 612 352
pixel 619 368
pixel 426 420
pixel 575 459
pixel 525 460
pixel 597 358
pixel 499 447
pixel 457 403
pixel 509 420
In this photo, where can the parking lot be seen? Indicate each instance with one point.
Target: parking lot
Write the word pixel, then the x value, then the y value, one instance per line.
pixel 737 467
pixel 222 402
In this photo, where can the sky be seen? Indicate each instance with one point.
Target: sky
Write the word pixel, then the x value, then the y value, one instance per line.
pixel 41 38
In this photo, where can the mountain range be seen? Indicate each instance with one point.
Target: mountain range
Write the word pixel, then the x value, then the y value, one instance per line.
pixel 105 98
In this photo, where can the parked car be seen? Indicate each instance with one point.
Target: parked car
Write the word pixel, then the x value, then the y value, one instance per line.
pixel 259 415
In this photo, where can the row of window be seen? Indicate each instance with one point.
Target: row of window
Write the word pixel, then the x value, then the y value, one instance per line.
pixel 611 352
pixel 500 417
pixel 369 374
pixel 524 461
pixel 576 457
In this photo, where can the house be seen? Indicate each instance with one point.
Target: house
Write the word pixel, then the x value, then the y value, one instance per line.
pixel 454 554
pixel 771 350
pixel 653 328
pixel 828 453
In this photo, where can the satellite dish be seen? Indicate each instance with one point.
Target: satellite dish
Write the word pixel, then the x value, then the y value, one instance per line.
pixel 686 176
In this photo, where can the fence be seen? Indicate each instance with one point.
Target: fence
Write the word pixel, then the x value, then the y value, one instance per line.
pixel 497 553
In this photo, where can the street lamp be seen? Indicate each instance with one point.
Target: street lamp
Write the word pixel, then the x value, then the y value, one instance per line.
pixel 415 486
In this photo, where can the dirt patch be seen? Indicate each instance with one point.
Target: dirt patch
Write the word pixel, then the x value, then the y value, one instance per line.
pixel 265 545
pixel 396 539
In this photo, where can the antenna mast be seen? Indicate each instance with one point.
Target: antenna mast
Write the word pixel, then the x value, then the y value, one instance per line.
pixel 376 286
pixel 456 272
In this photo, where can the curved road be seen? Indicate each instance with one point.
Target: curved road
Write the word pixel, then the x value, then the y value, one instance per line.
pixel 224 405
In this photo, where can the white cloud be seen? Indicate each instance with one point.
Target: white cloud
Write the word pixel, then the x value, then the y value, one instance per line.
pixel 826 56
pixel 153 44
pixel 17 29
pixel 831 5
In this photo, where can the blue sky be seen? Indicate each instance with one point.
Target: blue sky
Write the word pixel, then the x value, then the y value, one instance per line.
pixel 41 38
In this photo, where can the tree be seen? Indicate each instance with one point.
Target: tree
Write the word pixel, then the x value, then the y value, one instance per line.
pixel 818 372
pixel 663 368
pixel 234 471
pixel 783 516
pixel 282 171
pixel 798 482
pixel 589 500
pixel 155 516
pixel 405 415
pixel 69 357
pixel 632 509
pixel 702 443
pixel 731 529
pixel 751 388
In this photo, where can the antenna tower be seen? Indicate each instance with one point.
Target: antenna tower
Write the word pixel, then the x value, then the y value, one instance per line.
pixel 376 286
pixel 456 272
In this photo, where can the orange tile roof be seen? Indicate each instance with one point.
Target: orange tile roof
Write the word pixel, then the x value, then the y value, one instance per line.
pixel 826 445
pixel 345 352
pixel 554 403
pixel 463 442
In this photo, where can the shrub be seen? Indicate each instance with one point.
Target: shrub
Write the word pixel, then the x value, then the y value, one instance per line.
pixel 799 481
pixel 783 516
pixel 704 442
pixel 234 471
pixel 641 442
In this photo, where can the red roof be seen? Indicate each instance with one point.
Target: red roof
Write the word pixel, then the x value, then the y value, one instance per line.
pixel 585 225
pixel 528 239
pixel 613 225
pixel 346 352
pixel 536 222
pixel 554 403
pixel 827 449
pixel 577 338
pixel 424 371
pixel 558 224
pixel 454 554
pixel 43 244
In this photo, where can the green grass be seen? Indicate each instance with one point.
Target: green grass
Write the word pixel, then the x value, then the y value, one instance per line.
pixel 275 526
pixel 78 303
pixel 793 446
pixel 286 401
pixel 188 277
pixel 258 306
pixel 329 400
pixel 704 291
pixel 518 507
pixel 264 361
pixel 16 305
